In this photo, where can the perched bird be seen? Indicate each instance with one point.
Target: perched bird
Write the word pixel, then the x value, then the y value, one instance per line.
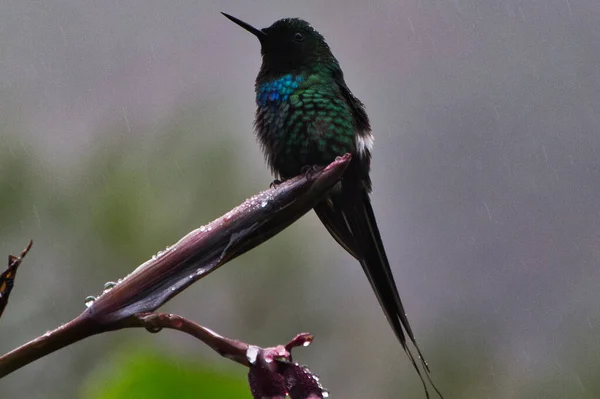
pixel 307 116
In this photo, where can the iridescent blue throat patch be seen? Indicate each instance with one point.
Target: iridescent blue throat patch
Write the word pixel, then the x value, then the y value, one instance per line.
pixel 277 90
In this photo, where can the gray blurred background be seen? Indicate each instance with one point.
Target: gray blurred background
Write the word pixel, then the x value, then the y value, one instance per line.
pixel 125 124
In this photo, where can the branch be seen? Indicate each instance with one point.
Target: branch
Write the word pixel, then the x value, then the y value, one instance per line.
pixel 194 256
pixel 7 278
pixel 272 372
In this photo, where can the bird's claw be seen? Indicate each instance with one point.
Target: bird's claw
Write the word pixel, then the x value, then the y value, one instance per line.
pixel 275 183
pixel 309 170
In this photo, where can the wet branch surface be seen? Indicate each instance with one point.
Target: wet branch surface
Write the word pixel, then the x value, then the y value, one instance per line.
pixel 131 302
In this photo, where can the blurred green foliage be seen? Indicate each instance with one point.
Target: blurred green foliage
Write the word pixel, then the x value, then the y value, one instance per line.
pixel 142 374
pixel 17 182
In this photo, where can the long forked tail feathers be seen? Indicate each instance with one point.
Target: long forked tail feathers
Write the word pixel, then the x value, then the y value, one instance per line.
pixel 377 267
pixel 352 223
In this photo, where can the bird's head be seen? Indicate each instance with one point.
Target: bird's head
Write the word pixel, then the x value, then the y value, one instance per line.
pixel 290 45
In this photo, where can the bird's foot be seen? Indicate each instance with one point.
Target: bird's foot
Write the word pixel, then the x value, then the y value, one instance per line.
pixel 309 170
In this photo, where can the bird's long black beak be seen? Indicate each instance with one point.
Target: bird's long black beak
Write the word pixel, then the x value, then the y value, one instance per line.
pixel 256 32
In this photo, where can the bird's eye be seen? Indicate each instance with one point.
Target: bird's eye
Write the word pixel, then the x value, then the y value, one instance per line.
pixel 298 37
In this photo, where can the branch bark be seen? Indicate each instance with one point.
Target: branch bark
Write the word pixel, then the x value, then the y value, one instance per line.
pixel 193 257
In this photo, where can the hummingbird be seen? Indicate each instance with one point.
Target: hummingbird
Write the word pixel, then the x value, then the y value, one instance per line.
pixel 307 116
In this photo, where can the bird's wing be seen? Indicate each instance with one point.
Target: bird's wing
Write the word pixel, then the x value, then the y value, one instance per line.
pixel 336 225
